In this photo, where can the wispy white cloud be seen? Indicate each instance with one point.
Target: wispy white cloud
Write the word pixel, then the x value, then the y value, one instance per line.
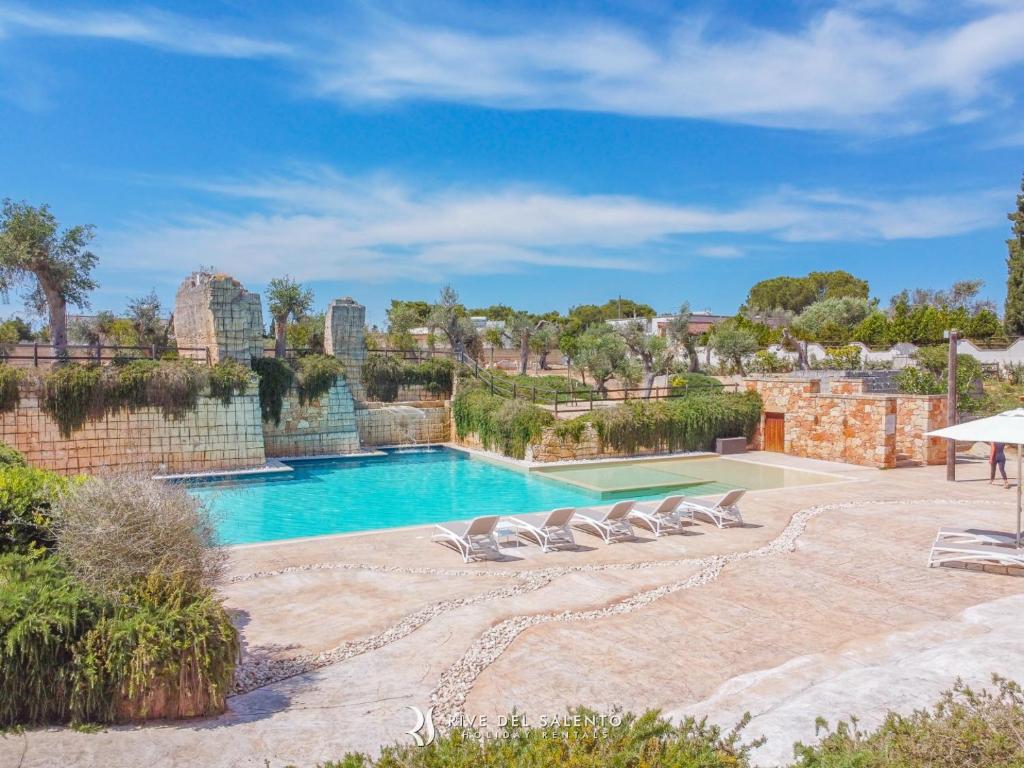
pixel 148 27
pixel 720 251
pixel 317 224
pixel 860 65
pixel 843 69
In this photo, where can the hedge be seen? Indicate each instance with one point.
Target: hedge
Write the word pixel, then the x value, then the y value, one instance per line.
pixel 689 423
pixel 502 425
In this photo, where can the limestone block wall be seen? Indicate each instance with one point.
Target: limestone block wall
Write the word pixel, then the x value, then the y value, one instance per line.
pixel 850 425
pixel 915 416
pixel 323 426
pixel 345 338
pixel 216 312
pixel 387 424
pixel 212 437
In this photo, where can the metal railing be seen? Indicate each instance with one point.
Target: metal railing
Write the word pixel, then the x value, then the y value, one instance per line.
pixel 38 353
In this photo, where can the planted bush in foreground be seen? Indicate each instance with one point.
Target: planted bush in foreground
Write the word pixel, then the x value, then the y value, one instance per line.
pixel 648 741
pixel 161 649
pixel 27 496
pixel 118 620
pixel 114 531
pixel 965 729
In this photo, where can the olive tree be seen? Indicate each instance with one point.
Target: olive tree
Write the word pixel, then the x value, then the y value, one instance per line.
pixel 286 298
pixel 602 352
pixel 450 317
pixel 733 343
pixel 53 266
pixel 651 351
pixel 679 334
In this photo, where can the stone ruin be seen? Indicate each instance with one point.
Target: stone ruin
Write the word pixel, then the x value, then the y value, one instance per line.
pixel 215 311
pixel 345 338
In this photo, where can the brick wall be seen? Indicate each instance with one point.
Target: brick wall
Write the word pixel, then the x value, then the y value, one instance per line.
pixel 213 436
pixel 849 425
pixel 405 423
pixel 323 426
pixel 216 312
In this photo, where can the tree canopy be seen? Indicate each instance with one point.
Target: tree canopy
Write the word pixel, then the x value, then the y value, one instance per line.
pixel 286 298
pixel 1014 311
pixel 797 293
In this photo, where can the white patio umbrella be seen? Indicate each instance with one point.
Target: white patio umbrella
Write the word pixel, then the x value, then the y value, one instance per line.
pixel 1006 427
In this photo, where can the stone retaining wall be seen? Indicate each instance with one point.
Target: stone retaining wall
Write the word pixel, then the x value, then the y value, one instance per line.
pixel 214 436
pixel 323 426
pixel 850 425
pixel 392 424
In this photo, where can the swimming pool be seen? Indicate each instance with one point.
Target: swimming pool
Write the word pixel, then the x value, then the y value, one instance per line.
pixel 413 488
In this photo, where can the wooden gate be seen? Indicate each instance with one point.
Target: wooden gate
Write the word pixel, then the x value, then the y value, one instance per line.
pixel 775 432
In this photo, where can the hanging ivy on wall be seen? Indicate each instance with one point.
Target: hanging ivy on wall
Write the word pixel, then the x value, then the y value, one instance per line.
pixel 10 387
pixel 276 378
pixel 73 394
pixel 501 424
pixel 315 375
pixel 383 376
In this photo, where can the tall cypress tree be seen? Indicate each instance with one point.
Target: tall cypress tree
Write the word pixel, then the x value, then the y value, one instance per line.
pixel 1014 318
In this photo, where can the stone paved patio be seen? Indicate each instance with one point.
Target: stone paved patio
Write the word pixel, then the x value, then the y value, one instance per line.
pixel 822 606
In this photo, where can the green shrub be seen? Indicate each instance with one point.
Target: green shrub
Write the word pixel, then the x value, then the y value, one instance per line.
pixel 691 382
pixel 149 643
pixel 382 377
pixel 276 378
pixel 114 530
pixel 929 377
pixel 503 425
pixel 43 615
pixel 766 361
pixel 68 654
pixel 644 741
pixel 845 358
pixel 10 387
pixel 965 729
pixel 683 424
pixel 10 457
pixel 27 496
pixel 436 375
pixel 315 375
pixel 229 378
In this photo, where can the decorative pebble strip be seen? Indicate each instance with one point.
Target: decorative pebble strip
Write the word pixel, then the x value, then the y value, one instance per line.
pixel 450 694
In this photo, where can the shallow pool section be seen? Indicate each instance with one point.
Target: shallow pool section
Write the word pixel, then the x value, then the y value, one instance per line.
pixel 413 488
pixel 690 476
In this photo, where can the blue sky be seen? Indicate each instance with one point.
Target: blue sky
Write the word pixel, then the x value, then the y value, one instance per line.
pixel 534 154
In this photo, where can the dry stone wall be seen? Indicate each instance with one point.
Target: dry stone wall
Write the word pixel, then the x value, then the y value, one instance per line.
pixel 214 436
pixel 851 426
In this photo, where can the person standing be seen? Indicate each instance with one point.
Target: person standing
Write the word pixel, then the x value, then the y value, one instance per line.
pixel 997 458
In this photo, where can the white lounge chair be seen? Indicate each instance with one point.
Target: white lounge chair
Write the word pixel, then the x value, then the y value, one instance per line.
pixel 549 529
pixel 609 524
pixel 723 512
pixel 471 539
pixel 983 554
pixel 665 516
pixel 975 536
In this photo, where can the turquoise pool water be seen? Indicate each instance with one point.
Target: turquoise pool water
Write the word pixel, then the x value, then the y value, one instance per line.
pixel 358 494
